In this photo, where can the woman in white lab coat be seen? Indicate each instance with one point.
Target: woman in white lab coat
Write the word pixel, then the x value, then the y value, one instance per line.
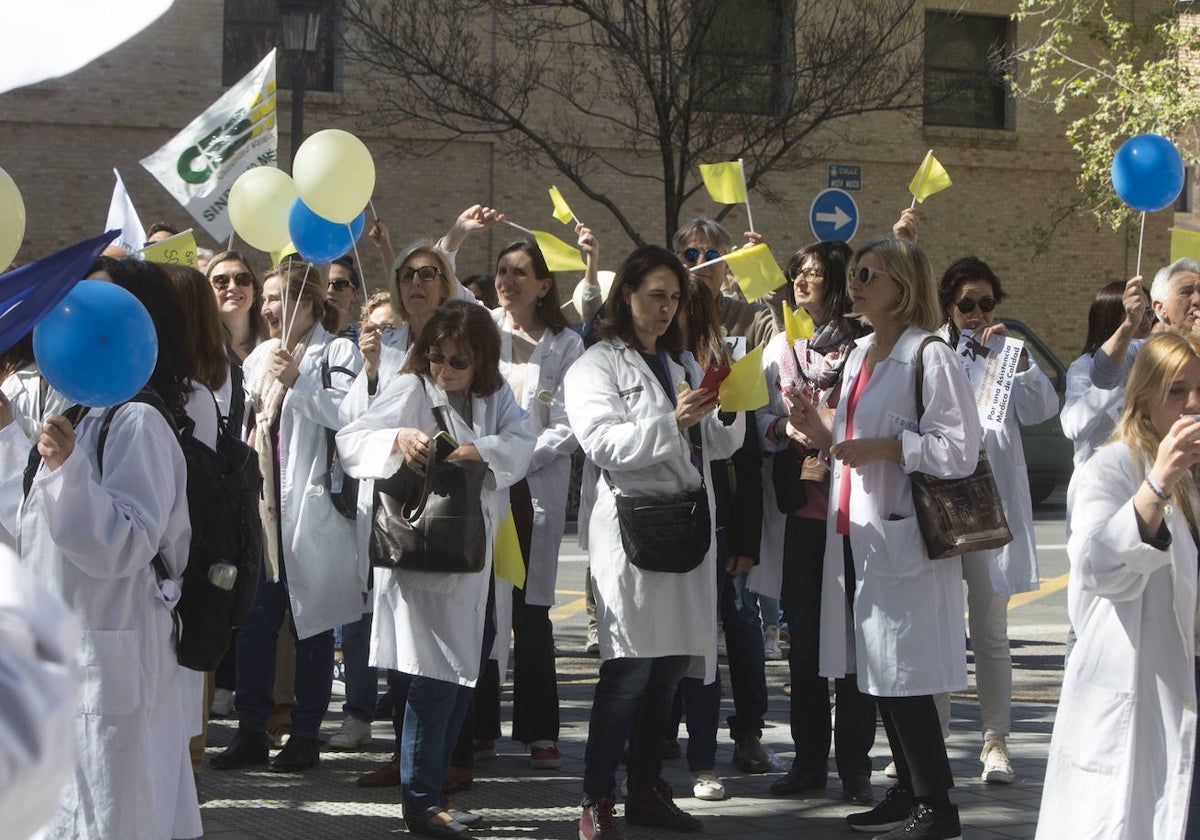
pixel 903 632
pixel 969 293
pixel 90 536
pixel 1124 743
pixel 309 560
pixel 430 625
pixel 634 403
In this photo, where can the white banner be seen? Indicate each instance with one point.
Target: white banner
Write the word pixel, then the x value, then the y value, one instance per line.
pixel 123 217
pixel 991 370
pixel 199 165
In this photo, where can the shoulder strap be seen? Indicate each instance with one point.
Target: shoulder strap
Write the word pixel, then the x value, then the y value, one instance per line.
pixel 921 374
pixel 182 427
pixel 237 399
pixel 74 413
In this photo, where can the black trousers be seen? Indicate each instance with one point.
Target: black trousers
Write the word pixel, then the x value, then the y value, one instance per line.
pixel 914 733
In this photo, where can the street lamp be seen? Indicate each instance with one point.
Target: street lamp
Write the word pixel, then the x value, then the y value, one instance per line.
pixel 300 21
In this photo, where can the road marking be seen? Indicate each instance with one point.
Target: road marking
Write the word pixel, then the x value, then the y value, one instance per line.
pixel 1049 587
pixel 564 611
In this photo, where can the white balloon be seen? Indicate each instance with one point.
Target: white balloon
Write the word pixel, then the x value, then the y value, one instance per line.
pixel 259 204
pixel 335 175
pixel 12 219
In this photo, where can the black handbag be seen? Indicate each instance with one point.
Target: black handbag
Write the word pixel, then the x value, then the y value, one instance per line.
pixel 431 522
pixel 664 533
pixel 957 515
pixel 790 493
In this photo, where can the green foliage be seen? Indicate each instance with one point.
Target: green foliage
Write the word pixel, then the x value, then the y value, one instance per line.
pixel 1116 75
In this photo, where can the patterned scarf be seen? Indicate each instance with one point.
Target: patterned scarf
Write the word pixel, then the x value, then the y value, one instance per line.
pixel 815 364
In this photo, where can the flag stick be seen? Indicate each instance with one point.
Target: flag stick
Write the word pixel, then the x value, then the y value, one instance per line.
pixel 1141 236
pixel 573 216
pixel 749 215
pixel 524 230
pixel 229 247
pixel 924 172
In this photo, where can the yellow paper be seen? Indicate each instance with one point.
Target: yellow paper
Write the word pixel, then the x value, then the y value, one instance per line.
pixel 724 181
pixel 180 249
pixel 508 561
pixel 562 211
pixel 277 256
pixel 558 254
pixel 1185 243
pixel 745 389
pixel 798 324
pixel 931 177
pixel 755 270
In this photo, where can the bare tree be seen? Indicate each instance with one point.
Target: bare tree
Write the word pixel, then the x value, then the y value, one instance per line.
pixel 681 82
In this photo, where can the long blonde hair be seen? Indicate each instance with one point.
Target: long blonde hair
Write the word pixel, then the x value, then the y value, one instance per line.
pixel 1154 371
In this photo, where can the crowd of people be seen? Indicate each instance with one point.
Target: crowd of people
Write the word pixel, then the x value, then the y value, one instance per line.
pixel 807 500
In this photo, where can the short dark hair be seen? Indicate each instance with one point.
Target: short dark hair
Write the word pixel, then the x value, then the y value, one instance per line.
pixel 962 272
pixel 347 262
pixel 486 286
pixel 616 320
pixel 549 307
pixel 834 257
pixel 159 227
pixel 470 326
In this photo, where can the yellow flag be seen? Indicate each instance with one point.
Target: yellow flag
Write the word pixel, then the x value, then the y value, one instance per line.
pixel 180 249
pixel 277 256
pixel 931 177
pixel 755 270
pixel 562 211
pixel 1185 243
pixel 558 254
pixel 507 558
pixel 724 181
pixel 745 389
pixel 797 324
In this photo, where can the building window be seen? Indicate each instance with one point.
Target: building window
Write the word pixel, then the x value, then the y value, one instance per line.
pixel 745 55
pixel 252 29
pixel 965 57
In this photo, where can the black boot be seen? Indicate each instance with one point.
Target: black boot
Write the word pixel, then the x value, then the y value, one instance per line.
pixel 297 754
pixel 248 747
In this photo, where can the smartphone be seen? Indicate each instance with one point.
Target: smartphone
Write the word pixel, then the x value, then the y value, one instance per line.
pixel 443 445
pixel 714 376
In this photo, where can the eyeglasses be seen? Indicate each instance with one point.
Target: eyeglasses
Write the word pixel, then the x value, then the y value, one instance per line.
pixel 221 281
pixel 809 274
pixel 435 358
pixel 864 275
pixel 692 255
pixel 340 285
pixel 425 273
pixel 967 305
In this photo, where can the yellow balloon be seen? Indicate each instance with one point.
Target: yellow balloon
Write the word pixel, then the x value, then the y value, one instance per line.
pixel 259 203
pixel 334 174
pixel 12 219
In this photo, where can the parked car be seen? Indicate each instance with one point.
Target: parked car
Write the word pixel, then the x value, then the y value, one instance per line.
pixel 1048 454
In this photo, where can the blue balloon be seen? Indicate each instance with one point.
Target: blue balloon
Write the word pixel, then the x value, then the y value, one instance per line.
pixel 1147 172
pixel 319 240
pixel 98 347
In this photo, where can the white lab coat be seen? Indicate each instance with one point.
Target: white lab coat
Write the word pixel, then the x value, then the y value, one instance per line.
pixel 426 623
pixel 1090 410
pixel 90 539
pixel 39 645
pixel 626 424
pixel 30 407
pixel 907 636
pixel 319 551
pixel 550 471
pixel 1122 751
pixel 1014 568
pixel 767 577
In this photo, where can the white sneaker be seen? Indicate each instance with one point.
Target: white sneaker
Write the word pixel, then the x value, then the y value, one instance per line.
pixel 771 649
pixel 593 641
pixel 707 786
pixel 891 772
pixel 222 703
pixel 354 733
pixel 997 769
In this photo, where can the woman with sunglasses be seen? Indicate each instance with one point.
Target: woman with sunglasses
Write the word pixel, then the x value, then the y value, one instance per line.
pixel 635 405
pixel 437 628
pixel 969 293
pixel 239 300
pixel 888 613
pixel 811 369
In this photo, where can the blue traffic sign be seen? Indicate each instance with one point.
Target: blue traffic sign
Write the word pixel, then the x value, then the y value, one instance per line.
pixel 833 215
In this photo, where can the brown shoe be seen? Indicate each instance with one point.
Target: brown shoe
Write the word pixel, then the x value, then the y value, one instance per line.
pixel 458 778
pixel 655 806
pixel 386 776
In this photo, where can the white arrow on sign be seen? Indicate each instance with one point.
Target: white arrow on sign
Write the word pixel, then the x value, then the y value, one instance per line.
pixel 838 217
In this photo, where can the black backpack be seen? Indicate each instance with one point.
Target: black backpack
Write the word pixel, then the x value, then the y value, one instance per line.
pixel 223 491
pixel 343 489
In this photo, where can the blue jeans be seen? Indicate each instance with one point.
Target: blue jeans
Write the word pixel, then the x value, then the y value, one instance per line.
pixel 432 717
pixel 632 703
pixel 769 607
pixel 361 680
pixel 744 653
pixel 256 642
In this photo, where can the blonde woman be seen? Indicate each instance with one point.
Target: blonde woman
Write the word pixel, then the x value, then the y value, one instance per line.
pixel 1124 743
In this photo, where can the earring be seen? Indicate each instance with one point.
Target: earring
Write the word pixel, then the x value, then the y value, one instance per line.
pixel 540 302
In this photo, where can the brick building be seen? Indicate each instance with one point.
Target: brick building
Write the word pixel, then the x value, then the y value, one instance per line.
pixel 1010 165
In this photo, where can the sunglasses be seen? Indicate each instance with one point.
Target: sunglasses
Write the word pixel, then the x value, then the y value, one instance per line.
pixel 340 285
pixel 221 281
pixel 864 275
pixel 967 305
pixel 809 274
pixel 692 255
pixel 455 362
pixel 425 273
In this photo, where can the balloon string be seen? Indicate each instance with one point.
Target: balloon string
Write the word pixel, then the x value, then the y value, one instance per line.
pixel 358 261
pixel 229 247
pixel 283 281
pixel 296 305
pixel 1141 236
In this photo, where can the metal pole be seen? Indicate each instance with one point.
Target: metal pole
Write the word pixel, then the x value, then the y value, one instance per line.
pixel 299 78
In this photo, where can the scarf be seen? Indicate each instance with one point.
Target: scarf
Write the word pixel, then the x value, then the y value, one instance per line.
pixel 815 364
pixel 266 399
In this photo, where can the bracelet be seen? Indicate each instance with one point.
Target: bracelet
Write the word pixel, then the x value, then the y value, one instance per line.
pixel 1157 489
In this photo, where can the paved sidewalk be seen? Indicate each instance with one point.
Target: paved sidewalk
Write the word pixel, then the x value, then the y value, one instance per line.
pixel 522 803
